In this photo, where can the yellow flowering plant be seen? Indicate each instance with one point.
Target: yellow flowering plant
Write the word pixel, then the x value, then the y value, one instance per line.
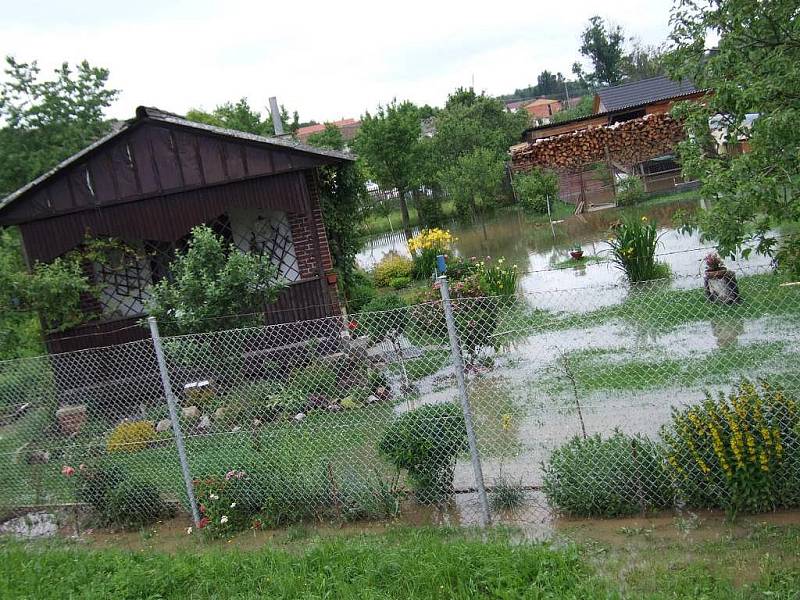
pixel 426 246
pixel 738 452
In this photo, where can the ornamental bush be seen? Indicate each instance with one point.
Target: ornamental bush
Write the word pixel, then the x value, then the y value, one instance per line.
pixel 739 452
pixel 392 266
pixel 426 443
pixel 633 250
pixel 131 436
pixel 606 477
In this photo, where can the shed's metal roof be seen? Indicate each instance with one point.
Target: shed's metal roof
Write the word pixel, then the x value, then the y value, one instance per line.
pixel 643 92
pixel 154 114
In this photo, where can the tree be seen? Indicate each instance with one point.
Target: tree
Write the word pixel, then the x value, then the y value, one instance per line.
pixel 755 68
pixel 242 117
pixel 582 109
pixel 388 145
pixel 474 182
pixel 330 137
pixel 213 286
pixel 602 44
pixel 471 121
pixel 643 61
pixel 47 121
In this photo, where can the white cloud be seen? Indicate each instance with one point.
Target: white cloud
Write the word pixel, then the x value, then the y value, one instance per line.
pixel 326 60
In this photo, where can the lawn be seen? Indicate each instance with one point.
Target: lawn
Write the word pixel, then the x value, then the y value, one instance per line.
pixel 631 558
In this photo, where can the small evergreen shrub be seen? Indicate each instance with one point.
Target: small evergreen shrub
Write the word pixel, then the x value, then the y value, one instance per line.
pixel 426 443
pixel 131 436
pixel 607 477
pixel 630 191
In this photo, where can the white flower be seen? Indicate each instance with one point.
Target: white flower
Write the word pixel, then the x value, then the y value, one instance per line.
pixel 188 531
pixel 224 519
pixel 233 504
pixel 213 496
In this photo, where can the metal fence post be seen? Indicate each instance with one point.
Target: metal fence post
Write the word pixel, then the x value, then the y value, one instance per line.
pixel 173 416
pixel 458 366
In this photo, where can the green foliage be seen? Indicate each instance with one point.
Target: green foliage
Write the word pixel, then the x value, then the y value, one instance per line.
pixel 213 285
pixel 342 198
pixel 44 122
pixel 118 499
pixel 388 145
pixel 603 45
pixel 470 121
pixel 382 316
pixel 582 109
pixel 534 188
pixel 741 453
pixel 630 191
pixel 755 68
pixel 643 62
pixel 242 117
pixel 616 476
pixel 314 379
pixel 633 250
pixel 788 258
pixel 506 494
pixel 474 181
pixel 426 443
pixel 390 267
pixel 359 291
pixel 330 138
pixel 497 278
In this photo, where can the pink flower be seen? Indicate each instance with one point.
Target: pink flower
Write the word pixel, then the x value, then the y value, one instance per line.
pixel 352 325
pixel 67 470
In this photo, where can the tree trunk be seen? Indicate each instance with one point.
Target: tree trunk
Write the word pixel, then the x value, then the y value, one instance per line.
pixel 404 213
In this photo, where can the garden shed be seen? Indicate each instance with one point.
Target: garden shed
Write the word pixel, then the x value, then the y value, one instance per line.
pixel 147 184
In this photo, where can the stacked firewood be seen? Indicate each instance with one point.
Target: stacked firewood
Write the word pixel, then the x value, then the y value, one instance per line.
pixel 625 143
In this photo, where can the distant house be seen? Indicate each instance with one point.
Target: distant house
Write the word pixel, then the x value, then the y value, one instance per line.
pixel 348 127
pixel 148 183
pixel 582 173
pixel 542 109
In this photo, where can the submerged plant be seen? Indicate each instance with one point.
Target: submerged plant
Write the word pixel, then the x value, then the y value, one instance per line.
pixel 506 494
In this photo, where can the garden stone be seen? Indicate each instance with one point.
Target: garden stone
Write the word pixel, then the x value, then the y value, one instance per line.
pixel 191 412
pixel 236 429
pixel 256 422
pixel 299 417
pixel 317 401
pixel 218 414
pixel 39 457
pixel 372 399
pixel 71 418
pixel 205 422
pixel 383 393
pixel 163 425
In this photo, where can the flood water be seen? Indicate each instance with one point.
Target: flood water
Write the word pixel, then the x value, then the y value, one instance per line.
pixel 536 248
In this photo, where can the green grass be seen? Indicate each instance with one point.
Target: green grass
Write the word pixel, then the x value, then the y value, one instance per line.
pixel 595 559
pixel 405 563
pixel 376 223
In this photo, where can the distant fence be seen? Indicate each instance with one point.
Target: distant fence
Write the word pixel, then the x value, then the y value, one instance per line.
pixel 375 414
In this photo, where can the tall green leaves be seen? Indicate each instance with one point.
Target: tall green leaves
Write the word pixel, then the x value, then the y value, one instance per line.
pixel 755 69
pixel 633 250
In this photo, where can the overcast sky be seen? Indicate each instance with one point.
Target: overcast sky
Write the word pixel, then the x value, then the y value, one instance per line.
pixel 327 60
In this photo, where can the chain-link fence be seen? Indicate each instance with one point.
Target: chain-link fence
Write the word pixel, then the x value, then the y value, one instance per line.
pixel 596 401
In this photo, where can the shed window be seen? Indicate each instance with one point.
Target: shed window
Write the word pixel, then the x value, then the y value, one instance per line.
pixel 266 233
pixel 123 282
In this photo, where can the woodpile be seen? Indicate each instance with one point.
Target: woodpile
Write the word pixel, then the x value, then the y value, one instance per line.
pixel 625 143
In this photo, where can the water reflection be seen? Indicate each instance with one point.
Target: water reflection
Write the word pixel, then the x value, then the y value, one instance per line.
pixel 537 249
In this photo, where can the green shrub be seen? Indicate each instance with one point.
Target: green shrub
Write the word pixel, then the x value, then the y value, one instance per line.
pixel 426 443
pixel 506 494
pixel 788 258
pixel 630 191
pixel 392 266
pixel 119 499
pixel 382 316
pixel 615 476
pixel 398 283
pixel 498 278
pixel 315 378
pixel 360 290
pixel 633 249
pixel 740 453
pixel 131 436
pixel 261 400
pixel 534 188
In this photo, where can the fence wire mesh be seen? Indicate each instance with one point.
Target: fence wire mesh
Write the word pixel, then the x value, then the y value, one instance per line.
pixel 596 401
